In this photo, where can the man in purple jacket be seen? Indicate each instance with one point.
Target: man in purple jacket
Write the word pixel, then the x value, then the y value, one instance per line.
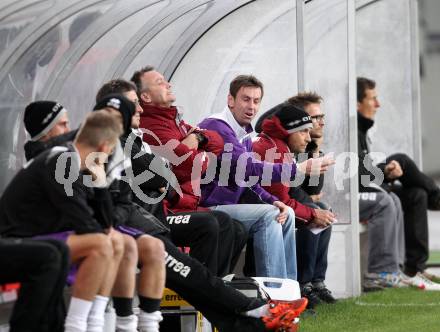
pixel 271 225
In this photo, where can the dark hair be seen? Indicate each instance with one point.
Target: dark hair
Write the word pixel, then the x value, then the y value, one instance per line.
pixel 119 86
pixel 245 81
pixel 304 99
pixel 136 78
pixel 364 84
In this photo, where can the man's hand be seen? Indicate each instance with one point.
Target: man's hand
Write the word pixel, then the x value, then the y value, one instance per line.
pixel 97 171
pixel 393 170
pixel 323 218
pixel 315 166
pixel 282 217
pixel 191 140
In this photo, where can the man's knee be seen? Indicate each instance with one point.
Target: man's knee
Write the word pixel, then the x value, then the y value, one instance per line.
pixel 130 248
pixel 377 204
pixel 150 250
pixel 385 201
pixel 269 218
pixel 291 214
pixel 209 226
pixel 101 247
pixel 117 240
pixel 48 257
pixel 271 211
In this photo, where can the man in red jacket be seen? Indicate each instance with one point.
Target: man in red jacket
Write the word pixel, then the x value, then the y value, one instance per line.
pixel 286 130
pixel 211 233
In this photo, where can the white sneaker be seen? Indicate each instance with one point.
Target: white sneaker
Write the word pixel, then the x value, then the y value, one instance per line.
pixel 429 285
pixel 420 281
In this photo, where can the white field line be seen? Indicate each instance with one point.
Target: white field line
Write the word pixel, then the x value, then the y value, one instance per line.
pixel 366 304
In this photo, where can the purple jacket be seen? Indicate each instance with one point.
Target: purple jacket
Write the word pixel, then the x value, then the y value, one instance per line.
pixel 224 189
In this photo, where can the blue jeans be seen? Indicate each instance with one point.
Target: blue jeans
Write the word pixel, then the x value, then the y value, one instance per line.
pixel 274 244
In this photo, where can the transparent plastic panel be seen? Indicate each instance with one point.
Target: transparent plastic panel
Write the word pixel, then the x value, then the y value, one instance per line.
pixel 240 44
pixel 383 53
pixel 24 9
pixel 13 23
pixel 26 80
pixel 326 72
pixel 7 3
pixel 88 74
pixel 154 52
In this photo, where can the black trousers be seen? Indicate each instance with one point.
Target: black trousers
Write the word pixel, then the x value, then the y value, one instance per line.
pixel 41 266
pixel 413 177
pixel 312 250
pixel 311 254
pixel 214 238
pixel 219 303
pixel 416 192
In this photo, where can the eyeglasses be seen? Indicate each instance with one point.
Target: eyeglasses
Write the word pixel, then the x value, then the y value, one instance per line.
pixel 318 118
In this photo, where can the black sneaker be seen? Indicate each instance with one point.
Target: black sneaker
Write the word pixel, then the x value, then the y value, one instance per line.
pixel 323 292
pixel 307 291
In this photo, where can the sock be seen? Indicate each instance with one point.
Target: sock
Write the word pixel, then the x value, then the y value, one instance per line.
pixel 149 305
pixel 258 312
pixel 95 322
pixel 123 306
pixel 76 320
pixel 149 321
pixel 127 323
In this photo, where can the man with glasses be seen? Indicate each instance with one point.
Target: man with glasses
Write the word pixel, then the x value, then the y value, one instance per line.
pixel 296 126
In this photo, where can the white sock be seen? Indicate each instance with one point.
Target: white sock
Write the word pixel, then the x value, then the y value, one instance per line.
pixel 149 322
pixel 95 321
pixel 126 324
pixel 76 320
pixel 258 312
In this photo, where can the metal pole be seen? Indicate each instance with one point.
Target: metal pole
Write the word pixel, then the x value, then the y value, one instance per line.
pixel 353 266
pixel 300 44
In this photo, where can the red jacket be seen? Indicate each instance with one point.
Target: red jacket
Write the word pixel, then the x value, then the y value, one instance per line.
pixel 166 124
pixel 272 136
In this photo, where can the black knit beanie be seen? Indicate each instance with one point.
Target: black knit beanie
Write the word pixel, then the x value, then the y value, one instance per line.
pixel 293 118
pixel 121 104
pixel 41 116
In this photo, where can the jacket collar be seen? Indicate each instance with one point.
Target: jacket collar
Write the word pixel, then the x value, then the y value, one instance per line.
pixel 163 112
pixel 363 123
pixel 228 117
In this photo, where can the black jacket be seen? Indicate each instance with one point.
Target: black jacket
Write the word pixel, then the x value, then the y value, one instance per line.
pixel 141 162
pixel 34 148
pixel 313 190
pixel 365 161
pixel 36 203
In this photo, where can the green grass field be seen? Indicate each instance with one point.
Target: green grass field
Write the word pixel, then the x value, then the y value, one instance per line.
pixel 434 257
pixel 392 310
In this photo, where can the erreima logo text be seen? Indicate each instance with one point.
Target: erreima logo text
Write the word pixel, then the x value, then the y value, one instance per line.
pixel 176 265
